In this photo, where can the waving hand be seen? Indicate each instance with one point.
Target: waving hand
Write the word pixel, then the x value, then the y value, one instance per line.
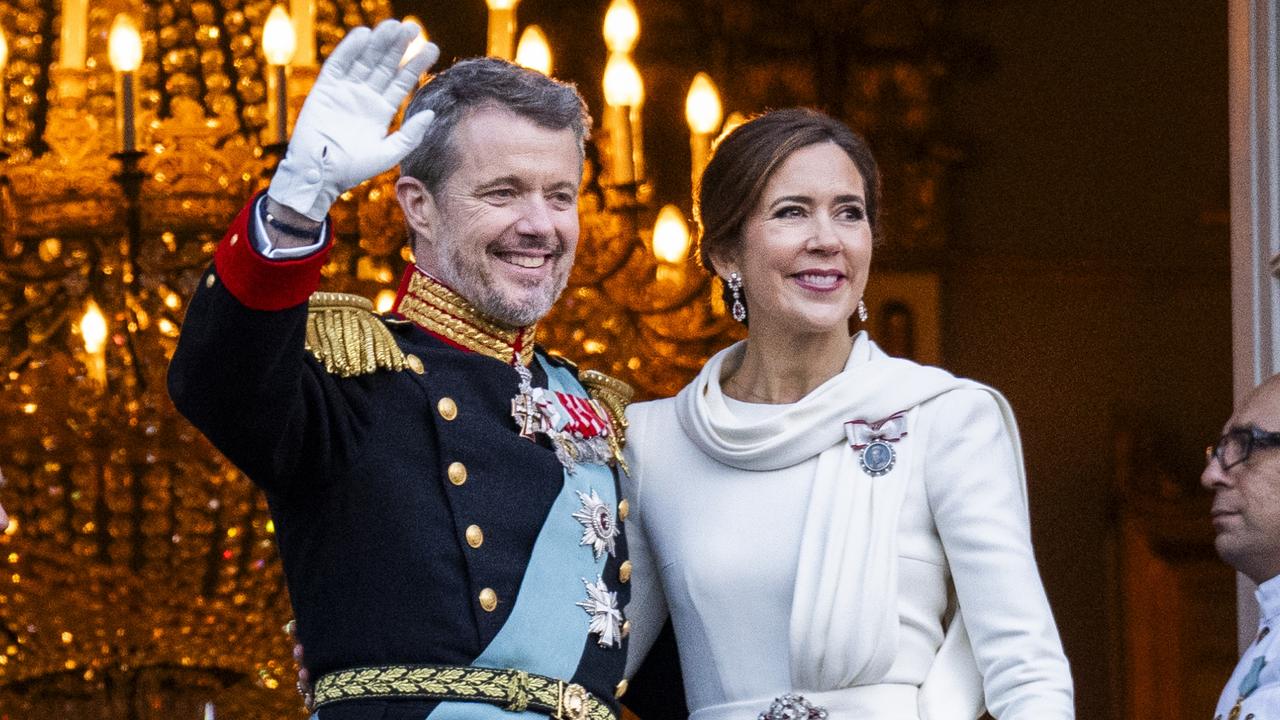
pixel 340 138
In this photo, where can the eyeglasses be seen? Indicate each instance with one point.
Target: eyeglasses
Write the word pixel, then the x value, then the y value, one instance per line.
pixel 1235 446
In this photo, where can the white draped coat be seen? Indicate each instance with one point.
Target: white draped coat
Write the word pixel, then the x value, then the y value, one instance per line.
pixel 786 567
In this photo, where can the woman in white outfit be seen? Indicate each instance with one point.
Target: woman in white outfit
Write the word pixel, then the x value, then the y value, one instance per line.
pixel 834 532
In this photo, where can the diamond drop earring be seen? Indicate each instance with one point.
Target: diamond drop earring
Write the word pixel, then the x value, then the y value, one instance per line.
pixel 862 310
pixel 739 310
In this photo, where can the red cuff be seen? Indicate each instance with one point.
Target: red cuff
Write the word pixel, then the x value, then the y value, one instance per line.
pixel 259 282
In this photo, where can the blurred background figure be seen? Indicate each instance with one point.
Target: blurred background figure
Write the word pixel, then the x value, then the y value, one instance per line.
pixel 1243 471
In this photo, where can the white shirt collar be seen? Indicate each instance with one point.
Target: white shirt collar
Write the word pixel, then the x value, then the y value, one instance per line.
pixel 1268 594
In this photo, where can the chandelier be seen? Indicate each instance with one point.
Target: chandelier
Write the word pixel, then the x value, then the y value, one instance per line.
pixel 139 578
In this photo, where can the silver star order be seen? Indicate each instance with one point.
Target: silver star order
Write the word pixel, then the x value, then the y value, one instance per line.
pixel 606 618
pixel 598 526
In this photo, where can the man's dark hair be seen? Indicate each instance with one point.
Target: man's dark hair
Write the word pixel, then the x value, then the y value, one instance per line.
pixel 476 83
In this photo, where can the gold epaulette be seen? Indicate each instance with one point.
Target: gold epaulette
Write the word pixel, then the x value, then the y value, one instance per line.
pixel 614 394
pixel 346 336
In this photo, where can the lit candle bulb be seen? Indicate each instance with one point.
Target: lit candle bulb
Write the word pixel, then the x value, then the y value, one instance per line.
pixel 502 28
pixel 671 235
pixel 279 43
pixel 93 331
pixel 416 45
pixel 670 244
pixel 623 90
pixel 703 112
pixel 124 48
pixel 621 26
pixel 731 123
pixel 534 52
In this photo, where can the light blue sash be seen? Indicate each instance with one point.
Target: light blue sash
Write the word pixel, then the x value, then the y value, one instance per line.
pixel 546 630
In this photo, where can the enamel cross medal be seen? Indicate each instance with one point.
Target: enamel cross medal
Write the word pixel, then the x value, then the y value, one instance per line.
pixel 524 406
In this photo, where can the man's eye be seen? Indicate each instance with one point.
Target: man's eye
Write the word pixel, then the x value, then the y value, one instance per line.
pixel 501 193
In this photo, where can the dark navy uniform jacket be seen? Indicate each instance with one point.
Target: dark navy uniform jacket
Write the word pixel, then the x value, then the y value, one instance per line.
pixel 371 529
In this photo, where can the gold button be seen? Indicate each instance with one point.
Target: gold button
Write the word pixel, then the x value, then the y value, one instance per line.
pixel 475 536
pixel 621 689
pixel 624 571
pixel 448 408
pixel 457 473
pixel 209 281
pixel 235 239
pixel 626 628
pixel 624 509
pixel 488 599
pixel 415 363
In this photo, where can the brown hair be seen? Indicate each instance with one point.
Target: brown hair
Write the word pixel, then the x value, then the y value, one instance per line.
pixel 745 160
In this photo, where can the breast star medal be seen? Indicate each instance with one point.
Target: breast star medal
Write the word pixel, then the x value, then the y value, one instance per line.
pixel 606 619
pixel 873 441
pixel 598 526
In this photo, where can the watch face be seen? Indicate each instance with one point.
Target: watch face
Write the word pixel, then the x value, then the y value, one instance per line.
pixel 878 458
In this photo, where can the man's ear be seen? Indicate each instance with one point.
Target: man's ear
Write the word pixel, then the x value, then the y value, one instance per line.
pixel 420 210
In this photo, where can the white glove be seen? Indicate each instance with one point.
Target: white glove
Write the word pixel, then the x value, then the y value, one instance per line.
pixel 340 139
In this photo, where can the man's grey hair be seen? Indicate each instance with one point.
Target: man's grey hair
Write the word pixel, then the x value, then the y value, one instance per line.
pixel 487 82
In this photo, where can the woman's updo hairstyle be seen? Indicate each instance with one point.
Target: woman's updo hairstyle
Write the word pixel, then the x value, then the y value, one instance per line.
pixel 745 160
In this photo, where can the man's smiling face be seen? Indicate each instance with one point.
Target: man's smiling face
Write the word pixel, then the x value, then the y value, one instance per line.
pixel 503 228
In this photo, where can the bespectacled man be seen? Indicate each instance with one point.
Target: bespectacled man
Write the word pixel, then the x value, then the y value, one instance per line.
pixel 1243 470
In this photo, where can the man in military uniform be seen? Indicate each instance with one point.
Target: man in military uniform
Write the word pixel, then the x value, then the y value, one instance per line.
pixel 445 495
pixel 1243 471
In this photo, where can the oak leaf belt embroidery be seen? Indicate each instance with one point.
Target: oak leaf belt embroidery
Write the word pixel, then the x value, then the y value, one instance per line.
pixel 513 690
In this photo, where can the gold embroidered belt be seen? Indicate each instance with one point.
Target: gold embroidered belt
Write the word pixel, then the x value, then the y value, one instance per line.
pixel 513 690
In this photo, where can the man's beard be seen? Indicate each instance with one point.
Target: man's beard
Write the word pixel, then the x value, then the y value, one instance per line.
pixel 466 274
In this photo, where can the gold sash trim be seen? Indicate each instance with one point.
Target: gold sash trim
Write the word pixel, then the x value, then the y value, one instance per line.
pixel 513 690
pixel 441 311
pixel 615 395
pixel 348 338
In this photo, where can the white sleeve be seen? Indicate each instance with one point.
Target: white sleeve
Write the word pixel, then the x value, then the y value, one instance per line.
pixel 978 502
pixel 262 241
pixel 647 609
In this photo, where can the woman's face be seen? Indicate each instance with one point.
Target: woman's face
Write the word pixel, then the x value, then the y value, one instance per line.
pixel 806 247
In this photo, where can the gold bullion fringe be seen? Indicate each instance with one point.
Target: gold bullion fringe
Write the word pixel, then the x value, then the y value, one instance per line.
pixel 439 310
pixel 346 336
pixel 513 690
pixel 614 394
